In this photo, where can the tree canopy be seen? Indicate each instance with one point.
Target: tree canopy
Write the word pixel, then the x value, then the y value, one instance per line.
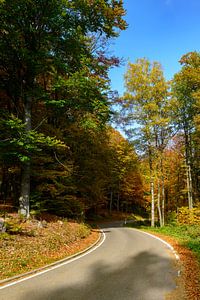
pixel 55 106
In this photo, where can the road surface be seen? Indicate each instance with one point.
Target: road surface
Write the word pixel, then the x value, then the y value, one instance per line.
pixel 128 265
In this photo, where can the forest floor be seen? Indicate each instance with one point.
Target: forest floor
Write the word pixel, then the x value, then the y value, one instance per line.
pixel 35 244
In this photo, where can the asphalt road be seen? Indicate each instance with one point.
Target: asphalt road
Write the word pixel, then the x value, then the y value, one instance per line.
pixel 128 265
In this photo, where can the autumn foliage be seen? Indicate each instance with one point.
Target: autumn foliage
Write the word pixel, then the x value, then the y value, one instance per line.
pixel 58 150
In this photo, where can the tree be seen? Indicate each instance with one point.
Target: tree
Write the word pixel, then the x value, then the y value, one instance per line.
pixel 124 180
pixel 174 167
pixel 48 39
pixel 186 87
pixel 145 105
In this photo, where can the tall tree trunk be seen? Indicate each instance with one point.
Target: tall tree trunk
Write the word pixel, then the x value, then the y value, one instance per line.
pixel 189 185
pixel 163 202
pixel 151 187
pixel 159 207
pixel 24 206
pixel 188 168
pixel 25 190
pixel 152 203
pixel 162 187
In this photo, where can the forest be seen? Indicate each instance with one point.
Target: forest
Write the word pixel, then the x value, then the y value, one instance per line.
pixel 69 145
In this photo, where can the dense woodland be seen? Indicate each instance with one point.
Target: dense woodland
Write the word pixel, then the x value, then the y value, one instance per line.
pixel 59 151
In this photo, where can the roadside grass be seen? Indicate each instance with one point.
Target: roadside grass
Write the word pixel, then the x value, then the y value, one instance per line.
pixel 36 247
pixel 187 235
pixel 185 239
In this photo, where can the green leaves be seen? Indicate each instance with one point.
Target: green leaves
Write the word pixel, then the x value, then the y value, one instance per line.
pixel 55 79
pixel 186 87
pixel 23 144
pixel 80 94
pixel 186 90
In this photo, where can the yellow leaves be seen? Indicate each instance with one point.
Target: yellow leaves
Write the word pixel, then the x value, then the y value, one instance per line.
pixel 145 83
pixel 189 216
pixel 151 106
pixel 191 59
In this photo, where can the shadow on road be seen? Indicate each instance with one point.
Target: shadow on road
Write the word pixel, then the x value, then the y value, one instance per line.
pixel 138 278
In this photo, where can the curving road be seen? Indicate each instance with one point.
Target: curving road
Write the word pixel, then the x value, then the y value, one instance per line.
pixel 128 265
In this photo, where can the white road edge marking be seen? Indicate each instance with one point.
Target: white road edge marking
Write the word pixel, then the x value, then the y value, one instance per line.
pixel 57 266
pixel 164 242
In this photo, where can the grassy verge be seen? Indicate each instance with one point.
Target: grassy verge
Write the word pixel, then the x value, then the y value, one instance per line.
pixel 187 235
pixel 186 241
pixel 37 247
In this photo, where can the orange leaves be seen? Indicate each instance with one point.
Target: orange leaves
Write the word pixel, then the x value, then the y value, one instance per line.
pixel 188 284
pixel 21 253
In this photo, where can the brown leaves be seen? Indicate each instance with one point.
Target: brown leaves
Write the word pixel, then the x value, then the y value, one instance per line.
pixel 188 285
pixel 20 253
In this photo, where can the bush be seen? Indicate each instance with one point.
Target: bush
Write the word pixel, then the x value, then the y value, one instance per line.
pixel 13 227
pixel 172 218
pixel 188 216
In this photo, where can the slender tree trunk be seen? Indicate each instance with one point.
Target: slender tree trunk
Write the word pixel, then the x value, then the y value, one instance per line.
pixel 159 207
pixel 25 190
pixel 189 185
pixel 152 204
pixel 24 206
pixel 151 188
pixel 163 202
pixel 162 188
pixel 188 169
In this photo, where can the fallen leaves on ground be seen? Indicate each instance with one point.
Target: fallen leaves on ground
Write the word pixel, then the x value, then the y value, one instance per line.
pixel 22 253
pixel 188 284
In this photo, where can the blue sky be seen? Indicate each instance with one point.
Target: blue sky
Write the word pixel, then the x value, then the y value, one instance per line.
pixel 160 30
